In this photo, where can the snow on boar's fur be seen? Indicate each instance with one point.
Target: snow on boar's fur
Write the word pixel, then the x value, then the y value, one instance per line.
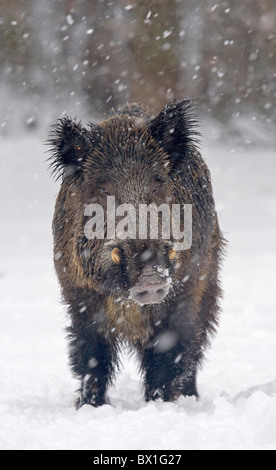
pixel 161 301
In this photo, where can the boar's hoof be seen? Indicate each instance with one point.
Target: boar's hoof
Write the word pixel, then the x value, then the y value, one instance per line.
pixel 92 401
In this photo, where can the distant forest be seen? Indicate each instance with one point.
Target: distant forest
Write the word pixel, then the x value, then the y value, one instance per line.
pixel 99 54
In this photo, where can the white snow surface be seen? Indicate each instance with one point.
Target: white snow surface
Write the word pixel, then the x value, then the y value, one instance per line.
pixel 237 384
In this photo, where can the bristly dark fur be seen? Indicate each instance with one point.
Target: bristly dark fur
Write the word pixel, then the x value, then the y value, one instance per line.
pixel 70 145
pixel 138 159
pixel 176 129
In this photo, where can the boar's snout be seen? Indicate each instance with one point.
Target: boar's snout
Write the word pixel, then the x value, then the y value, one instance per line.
pixel 150 290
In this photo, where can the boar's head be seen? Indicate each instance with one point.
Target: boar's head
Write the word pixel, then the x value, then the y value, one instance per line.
pixel 129 158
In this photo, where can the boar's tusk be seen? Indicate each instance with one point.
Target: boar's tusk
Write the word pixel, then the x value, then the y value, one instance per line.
pixel 116 256
pixel 172 254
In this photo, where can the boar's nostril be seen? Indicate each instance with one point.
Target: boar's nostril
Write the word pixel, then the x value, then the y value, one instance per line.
pixel 160 291
pixel 144 292
pixel 142 295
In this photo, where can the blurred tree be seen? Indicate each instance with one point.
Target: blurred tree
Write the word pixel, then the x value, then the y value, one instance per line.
pixel 131 51
pixel 15 55
pixel 153 41
pixel 108 54
pixel 237 57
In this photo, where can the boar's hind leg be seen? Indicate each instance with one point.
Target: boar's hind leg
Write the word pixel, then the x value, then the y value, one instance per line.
pixel 91 361
pixel 169 374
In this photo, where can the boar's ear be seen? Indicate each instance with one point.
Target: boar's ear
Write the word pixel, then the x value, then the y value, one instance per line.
pixel 175 130
pixel 70 144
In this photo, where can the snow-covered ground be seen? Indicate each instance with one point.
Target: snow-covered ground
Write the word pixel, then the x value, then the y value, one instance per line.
pixel 237 409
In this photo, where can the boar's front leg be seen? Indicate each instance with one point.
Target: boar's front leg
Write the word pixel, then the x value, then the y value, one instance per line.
pixel 170 371
pixel 91 358
pixel 91 361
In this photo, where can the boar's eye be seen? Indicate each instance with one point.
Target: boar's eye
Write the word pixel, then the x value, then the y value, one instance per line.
pixel 155 186
pixel 104 190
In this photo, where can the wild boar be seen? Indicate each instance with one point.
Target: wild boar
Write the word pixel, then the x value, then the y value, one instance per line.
pixel 150 292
